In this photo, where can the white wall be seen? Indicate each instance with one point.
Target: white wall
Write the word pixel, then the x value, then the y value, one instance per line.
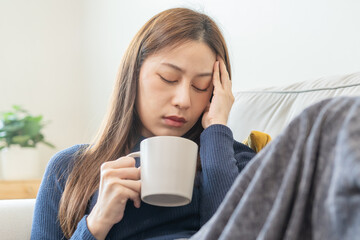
pixel 60 58
pixel 41 66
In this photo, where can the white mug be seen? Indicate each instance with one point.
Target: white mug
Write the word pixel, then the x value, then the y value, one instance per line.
pixel 168 166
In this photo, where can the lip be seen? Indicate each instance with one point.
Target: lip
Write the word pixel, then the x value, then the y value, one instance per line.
pixel 174 121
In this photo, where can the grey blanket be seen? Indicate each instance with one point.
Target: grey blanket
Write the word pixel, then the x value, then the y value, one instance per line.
pixel 303 185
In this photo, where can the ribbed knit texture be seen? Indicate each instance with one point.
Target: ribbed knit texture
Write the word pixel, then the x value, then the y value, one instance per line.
pixel 222 159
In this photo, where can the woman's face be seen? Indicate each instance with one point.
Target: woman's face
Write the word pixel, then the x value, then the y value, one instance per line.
pixel 175 86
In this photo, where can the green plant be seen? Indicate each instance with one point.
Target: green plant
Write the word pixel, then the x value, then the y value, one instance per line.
pixel 19 127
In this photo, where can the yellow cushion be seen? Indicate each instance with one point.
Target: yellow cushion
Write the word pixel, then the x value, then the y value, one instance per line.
pixel 257 140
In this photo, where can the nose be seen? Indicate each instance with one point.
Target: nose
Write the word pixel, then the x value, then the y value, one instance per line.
pixel 181 97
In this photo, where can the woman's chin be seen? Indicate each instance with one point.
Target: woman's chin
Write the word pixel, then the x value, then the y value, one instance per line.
pixel 171 132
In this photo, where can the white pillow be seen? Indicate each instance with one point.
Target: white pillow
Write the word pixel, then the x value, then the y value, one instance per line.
pixel 270 109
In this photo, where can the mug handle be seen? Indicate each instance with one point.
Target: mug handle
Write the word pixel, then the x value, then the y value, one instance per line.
pixel 134 154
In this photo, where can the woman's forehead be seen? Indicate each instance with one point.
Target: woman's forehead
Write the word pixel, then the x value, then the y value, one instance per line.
pixel 192 54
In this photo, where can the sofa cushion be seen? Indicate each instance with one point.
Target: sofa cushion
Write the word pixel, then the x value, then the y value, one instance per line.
pixel 270 109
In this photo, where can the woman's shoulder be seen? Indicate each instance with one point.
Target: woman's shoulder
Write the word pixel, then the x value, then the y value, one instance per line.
pixel 63 160
pixel 65 155
pixel 70 151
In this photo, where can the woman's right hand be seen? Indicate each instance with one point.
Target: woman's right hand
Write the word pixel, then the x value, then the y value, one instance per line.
pixel 119 182
pixel 217 112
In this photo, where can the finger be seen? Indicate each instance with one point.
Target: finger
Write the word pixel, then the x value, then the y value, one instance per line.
pixel 122 162
pixel 122 173
pixel 228 85
pixel 224 74
pixel 134 196
pixel 216 76
pixel 121 190
pixel 137 200
pixel 127 193
pixel 207 107
pixel 131 184
pixel 117 186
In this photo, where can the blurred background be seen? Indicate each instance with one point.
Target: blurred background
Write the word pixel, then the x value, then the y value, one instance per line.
pixel 60 58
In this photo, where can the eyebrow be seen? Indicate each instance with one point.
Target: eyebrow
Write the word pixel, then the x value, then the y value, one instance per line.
pixel 183 71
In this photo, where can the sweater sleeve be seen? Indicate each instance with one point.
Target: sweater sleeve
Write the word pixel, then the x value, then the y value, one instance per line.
pixel 222 159
pixel 45 221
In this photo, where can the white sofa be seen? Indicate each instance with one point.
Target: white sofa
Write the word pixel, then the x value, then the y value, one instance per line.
pixel 271 109
pixel 268 110
pixel 15 219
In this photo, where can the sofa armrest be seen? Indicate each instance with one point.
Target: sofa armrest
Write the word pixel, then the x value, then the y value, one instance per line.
pixel 16 218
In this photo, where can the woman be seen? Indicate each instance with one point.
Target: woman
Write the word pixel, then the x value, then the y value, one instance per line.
pixel 174 79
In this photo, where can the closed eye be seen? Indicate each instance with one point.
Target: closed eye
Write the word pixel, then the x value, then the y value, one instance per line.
pixel 168 81
pixel 199 89
pixel 175 81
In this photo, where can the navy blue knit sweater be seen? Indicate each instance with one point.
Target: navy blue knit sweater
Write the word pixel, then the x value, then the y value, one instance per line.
pixel 222 159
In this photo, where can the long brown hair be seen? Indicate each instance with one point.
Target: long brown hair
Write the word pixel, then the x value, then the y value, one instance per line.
pixel 121 127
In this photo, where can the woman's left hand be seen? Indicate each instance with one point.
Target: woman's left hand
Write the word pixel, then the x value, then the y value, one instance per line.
pixel 217 111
